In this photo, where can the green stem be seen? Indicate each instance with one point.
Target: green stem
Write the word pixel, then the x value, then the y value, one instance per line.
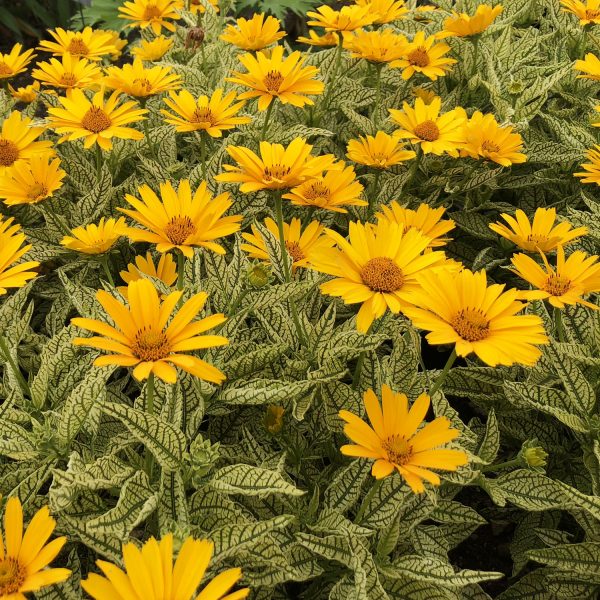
pixel 334 73
pixel 365 503
pixel 560 328
pixel 442 376
pixel 149 462
pixel 15 368
pixel 374 112
pixel 105 266
pixel 265 126
pixel 373 193
pixel 148 140
pixel 202 153
pixel 359 364
pixel 413 169
pixel 180 272
pixel 98 162
pixel 509 464
pixel 475 53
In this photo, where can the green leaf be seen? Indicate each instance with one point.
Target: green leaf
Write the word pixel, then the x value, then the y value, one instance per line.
pixel 579 558
pixel 252 481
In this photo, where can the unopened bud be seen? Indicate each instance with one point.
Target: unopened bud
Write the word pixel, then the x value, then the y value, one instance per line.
pixel 274 418
pixel 194 38
pixel 533 455
pixel 259 275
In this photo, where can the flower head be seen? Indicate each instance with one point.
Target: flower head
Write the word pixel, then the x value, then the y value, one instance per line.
pixel 141 82
pixel 460 308
pixel 14 62
pixel 587 12
pixel 96 121
pixel 144 338
pixel 589 67
pixel 151 50
pixel 380 46
pixel 381 151
pixel 591 169
pixel 396 441
pixel 69 72
pixel 155 14
pixel 331 38
pixel 348 18
pixel 213 115
pixel 93 44
pixel 464 25
pixel 180 219
pixel 27 93
pixel 424 55
pixel 539 235
pixel 96 239
pixel 12 250
pixel 385 11
pixel 253 34
pixel 165 270
pixel 270 77
pixel 197 6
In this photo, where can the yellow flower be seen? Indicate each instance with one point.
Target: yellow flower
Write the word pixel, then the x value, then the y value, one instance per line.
pixel 330 191
pixel 381 151
pixel 254 34
pixel 395 441
pixel 138 81
pixel 166 270
pixel 117 42
pixel 328 39
pixel 151 13
pixel 97 121
pixel 426 56
pixel 24 557
pixel 302 245
pixel 425 219
pixel 464 25
pixel 181 220
pixel 436 133
pixel 151 50
pixel 460 308
pixel 150 574
pixel 574 277
pixel 142 339
pixel 12 250
pixel 70 72
pixel 539 235
pixel 277 167
pixel 92 44
pixel 381 46
pixel 348 18
pixel 273 76
pixel 590 67
pixel 377 267
pixel 428 96
pixel 421 13
pixel 385 11
pixel 485 138
pixel 26 94
pixel 18 141
pixel 30 182
pixel 587 12
pixel 14 62
pixel 96 239
pixel 213 115
pixel 590 173
pixel 196 6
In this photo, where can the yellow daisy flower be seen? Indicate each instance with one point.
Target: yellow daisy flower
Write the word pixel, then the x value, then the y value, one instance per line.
pixel 589 67
pixel 14 62
pixel 485 138
pixel 30 182
pixel 18 141
pixel 26 94
pixel 118 43
pixel 380 46
pixel 460 308
pixel 96 239
pixel 587 12
pixel 385 11
pixel 25 556
pixel 377 267
pixel 166 270
pixel 425 219
pixel 277 167
pixel 301 244
pixel 138 81
pixel 330 191
pixel 424 125
pixel 93 44
pixel 253 34
pixel 426 56
pixel 142 339
pixel 428 96
pixel 590 173
pixel 348 18
pixel 273 76
pixel 151 50
pixel 464 25
pixel 574 277
pixel 213 115
pixel 97 121
pixel 197 7
pixel 395 441
pixel 151 13
pixel 331 38
pixel 539 235
pixel 421 13
pixel 69 72
pixel 151 575
pixel 12 250
pixel 381 151
pixel 181 220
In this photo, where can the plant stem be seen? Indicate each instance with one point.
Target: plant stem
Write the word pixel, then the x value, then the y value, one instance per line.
pixel 15 368
pixel 413 169
pixel 509 464
pixel 265 126
pixel 442 376
pixel 149 462
pixel 365 503
pixel 180 270
pixel 475 53
pixel 334 73
pixel 148 141
pixel 104 263
pixel 202 153
pixel 375 111
pixel 560 328
pixel 98 162
pixel 373 193
pixel 359 363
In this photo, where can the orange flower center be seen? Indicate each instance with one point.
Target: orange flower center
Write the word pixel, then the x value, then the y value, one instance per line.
pixel 398 449
pixel 318 193
pixel 144 84
pixel 179 229
pixel 12 576
pixel 428 131
pixel 37 192
pixel 203 115
pixel 68 79
pixel 5 69
pixel 150 345
pixel 382 274
pixel 78 47
pixel 471 325
pixel 557 285
pixel 489 146
pixel 591 13
pixel 276 172
pixel 151 12
pixel 8 153
pixel 95 120
pixel 419 57
pixel 272 81
pixel 380 158
pixel 537 239
pixel 295 251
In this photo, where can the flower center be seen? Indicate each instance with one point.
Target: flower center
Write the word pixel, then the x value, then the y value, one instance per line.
pixel 418 57
pixel 295 251
pixel 5 69
pixel 179 229
pixel 150 345
pixel 78 47
pixel 272 81
pixel 399 451
pixel 95 120
pixel 318 193
pixel 8 153
pixel 471 325
pixel 151 12
pixel 144 84
pixel 37 192
pixel 276 172
pixel 537 239
pixel 382 274
pixel 591 13
pixel 556 285
pixel 489 146
pixel 12 577
pixel 203 115
pixel 68 79
pixel 428 131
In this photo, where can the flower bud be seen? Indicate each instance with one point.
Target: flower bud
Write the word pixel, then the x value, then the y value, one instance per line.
pixel 194 38
pixel 533 455
pixel 259 275
pixel 274 418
